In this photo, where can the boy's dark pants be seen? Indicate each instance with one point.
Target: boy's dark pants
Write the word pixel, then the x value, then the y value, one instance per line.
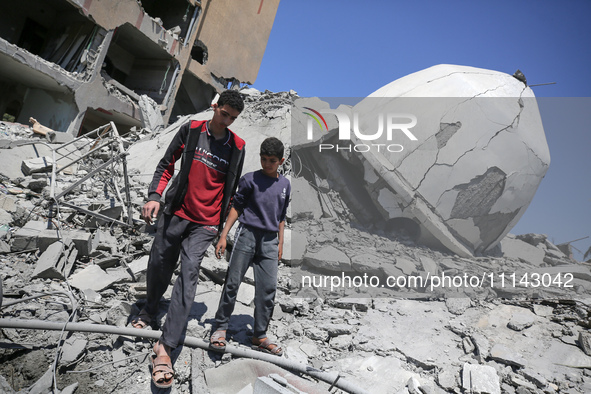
pixel 176 236
pixel 260 247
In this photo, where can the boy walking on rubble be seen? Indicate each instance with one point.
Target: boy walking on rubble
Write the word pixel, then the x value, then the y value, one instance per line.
pixel 194 212
pixel 260 204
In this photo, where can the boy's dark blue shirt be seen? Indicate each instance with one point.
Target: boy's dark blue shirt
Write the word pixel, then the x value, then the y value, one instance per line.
pixel 262 200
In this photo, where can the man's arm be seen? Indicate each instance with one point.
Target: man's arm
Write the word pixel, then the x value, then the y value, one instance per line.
pixel 220 248
pixel 163 174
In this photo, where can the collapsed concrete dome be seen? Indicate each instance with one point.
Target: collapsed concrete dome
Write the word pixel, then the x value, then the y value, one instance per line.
pixel 479 156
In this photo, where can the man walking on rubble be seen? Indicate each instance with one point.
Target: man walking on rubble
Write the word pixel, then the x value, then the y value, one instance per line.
pixel 194 211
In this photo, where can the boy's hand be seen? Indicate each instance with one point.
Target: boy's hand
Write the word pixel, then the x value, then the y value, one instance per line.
pixel 220 248
pixel 280 251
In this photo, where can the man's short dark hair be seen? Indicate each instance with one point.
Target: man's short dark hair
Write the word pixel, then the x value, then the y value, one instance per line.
pixel 231 98
pixel 272 147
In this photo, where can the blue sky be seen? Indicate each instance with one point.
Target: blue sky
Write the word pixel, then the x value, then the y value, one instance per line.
pixel 344 48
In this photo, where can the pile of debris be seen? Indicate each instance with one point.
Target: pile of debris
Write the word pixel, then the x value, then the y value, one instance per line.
pixel 73 249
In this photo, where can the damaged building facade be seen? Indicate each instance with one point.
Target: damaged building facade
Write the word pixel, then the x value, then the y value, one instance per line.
pixel 75 65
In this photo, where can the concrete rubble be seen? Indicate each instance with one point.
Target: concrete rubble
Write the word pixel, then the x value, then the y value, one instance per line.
pixel 406 337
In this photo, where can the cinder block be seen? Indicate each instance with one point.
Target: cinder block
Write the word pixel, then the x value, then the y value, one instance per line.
pixel 26 237
pixel 82 240
pixel 38 164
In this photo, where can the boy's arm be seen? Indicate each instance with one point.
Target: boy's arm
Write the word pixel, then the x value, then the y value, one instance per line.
pixel 280 237
pixel 220 248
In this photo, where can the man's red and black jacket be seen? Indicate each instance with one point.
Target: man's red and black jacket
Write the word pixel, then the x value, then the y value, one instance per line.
pixel 186 141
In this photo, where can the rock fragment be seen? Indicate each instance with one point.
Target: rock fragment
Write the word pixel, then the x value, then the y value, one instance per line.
pixel 480 379
pixel 585 342
pixel 503 354
pixel 521 320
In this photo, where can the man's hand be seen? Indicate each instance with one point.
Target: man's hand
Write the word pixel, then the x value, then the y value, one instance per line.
pixel 280 251
pixel 150 211
pixel 220 248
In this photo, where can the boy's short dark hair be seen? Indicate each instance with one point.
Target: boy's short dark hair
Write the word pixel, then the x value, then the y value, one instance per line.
pixel 272 147
pixel 231 98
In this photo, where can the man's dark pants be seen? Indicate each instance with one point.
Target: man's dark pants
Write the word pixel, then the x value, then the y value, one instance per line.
pixel 176 236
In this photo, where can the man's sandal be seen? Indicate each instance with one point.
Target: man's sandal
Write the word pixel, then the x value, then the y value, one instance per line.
pixel 268 346
pixel 162 372
pixel 217 341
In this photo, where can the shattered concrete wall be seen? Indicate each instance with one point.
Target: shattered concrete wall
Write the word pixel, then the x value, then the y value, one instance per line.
pixel 477 158
pixel 91 62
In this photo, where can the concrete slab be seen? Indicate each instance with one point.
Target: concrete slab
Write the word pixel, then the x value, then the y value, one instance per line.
pixel 94 278
pixel 47 265
pixel 328 258
pixel 514 248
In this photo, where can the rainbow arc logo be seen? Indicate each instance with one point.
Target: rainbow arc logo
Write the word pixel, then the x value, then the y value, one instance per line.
pixel 316 119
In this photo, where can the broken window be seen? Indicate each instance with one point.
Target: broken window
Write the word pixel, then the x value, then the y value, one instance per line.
pixel 13 109
pixel 178 16
pixel 199 52
pixel 139 64
pixel 53 30
pixel 94 118
pixel 192 97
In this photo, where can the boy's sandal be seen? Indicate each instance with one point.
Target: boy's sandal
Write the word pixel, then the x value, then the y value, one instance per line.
pixel 142 320
pixel 268 346
pixel 162 372
pixel 217 341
